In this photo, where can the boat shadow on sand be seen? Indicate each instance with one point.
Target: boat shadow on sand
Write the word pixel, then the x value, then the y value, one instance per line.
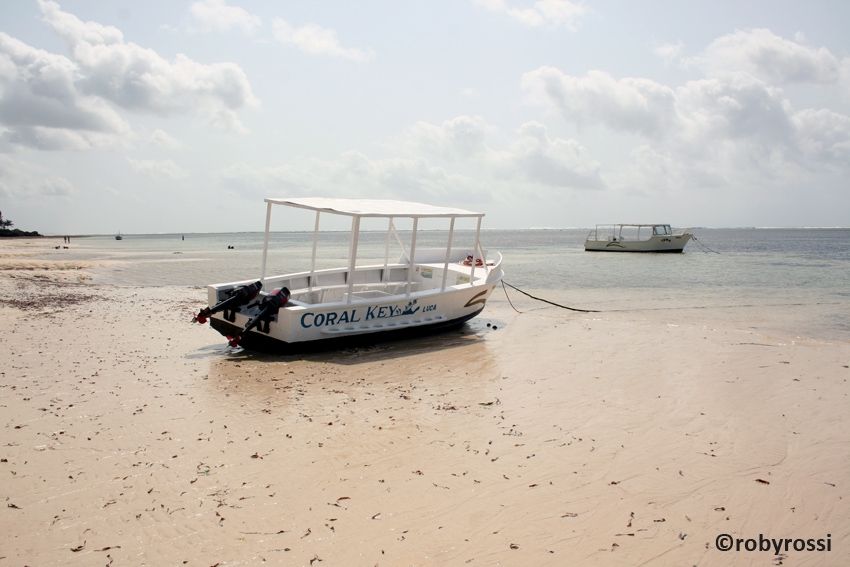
pixel 359 350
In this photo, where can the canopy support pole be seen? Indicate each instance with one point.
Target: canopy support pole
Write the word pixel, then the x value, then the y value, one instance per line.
pixel 475 247
pixel 448 253
pixel 398 239
pixel 412 255
pixel 315 243
pixel 266 243
pixel 384 275
pixel 483 257
pixel 352 261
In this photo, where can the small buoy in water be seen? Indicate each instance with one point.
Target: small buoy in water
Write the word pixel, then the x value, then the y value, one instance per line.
pixel 495 327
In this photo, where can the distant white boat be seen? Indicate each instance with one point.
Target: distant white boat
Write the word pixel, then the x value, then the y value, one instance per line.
pixel 636 238
pixel 424 290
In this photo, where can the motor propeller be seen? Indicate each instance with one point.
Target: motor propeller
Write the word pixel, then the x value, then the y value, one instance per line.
pixel 238 296
pixel 269 307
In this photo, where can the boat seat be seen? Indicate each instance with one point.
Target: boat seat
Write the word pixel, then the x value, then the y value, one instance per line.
pixel 366 295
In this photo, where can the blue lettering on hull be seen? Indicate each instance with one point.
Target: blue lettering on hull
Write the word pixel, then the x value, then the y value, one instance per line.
pixel 373 312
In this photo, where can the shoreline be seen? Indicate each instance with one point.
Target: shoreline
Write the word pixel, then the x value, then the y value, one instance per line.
pixel 614 438
pixel 483 230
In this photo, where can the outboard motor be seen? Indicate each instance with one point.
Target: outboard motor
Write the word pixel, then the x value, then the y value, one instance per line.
pixel 238 296
pixel 269 307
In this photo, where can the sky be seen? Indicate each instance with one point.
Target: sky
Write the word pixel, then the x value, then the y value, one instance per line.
pixel 169 116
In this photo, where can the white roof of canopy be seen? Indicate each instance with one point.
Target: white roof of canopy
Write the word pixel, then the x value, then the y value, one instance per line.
pixel 632 224
pixel 372 207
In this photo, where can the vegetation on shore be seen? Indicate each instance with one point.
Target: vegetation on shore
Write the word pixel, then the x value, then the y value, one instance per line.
pixel 17 232
pixel 7 230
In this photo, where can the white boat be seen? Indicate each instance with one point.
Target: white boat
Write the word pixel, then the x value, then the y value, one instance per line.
pixel 424 290
pixel 636 238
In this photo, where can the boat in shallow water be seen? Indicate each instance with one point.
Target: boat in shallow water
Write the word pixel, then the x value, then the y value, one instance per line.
pixel 636 238
pixel 424 290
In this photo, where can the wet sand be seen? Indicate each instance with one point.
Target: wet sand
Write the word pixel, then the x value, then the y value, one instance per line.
pixel 129 436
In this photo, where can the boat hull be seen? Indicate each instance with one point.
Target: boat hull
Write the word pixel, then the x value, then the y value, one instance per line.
pixel 266 343
pixel 360 320
pixel 668 243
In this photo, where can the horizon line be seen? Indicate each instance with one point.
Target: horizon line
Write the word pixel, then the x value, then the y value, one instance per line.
pixel 165 233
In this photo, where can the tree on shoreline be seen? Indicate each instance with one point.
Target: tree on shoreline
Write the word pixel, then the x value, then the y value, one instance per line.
pixel 7 230
pixel 5 223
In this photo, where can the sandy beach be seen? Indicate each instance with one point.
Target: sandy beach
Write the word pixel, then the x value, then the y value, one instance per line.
pixel 129 436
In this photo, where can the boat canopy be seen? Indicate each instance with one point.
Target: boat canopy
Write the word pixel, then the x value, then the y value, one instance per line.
pixel 617 229
pixel 631 225
pixel 373 207
pixel 379 208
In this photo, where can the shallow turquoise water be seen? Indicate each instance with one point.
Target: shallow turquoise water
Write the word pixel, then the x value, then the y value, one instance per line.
pixel 769 267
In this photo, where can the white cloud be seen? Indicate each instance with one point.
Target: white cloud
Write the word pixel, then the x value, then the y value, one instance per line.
pixel 55 186
pixel 699 111
pixel 552 13
pixel 218 16
pixel 470 93
pixel 555 163
pixel 652 170
pixel 52 102
pixel 732 108
pixel 631 104
pixel 49 139
pixel 458 138
pixel 352 174
pixel 471 145
pixel 316 40
pixel 732 129
pixel 21 180
pixel 461 159
pixel 763 54
pixel 824 135
pixel 139 79
pixel 404 177
pixel 41 105
pixel 265 181
pixel 669 52
pixel 166 169
pixel 165 140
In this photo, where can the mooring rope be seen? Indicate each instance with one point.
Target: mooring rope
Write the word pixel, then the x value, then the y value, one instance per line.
pixel 508 297
pixel 504 283
pixel 673 308
pixel 703 246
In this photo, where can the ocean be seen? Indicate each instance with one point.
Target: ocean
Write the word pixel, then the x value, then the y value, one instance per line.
pixel 804 272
